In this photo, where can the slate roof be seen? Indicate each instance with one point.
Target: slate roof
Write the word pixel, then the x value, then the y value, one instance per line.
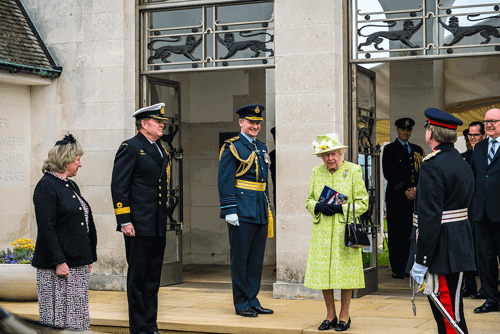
pixel 21 48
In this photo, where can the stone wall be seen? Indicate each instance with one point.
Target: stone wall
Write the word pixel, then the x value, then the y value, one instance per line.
pixel 93 99
pixel 308 102
pixel 15 139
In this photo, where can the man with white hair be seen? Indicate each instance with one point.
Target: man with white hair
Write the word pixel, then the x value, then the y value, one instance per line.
pixel 486 167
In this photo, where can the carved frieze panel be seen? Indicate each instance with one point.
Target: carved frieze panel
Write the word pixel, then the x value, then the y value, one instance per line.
pixel 208 37
pixel 390 30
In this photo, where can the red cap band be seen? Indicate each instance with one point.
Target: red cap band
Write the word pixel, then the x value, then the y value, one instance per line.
pixel 449 126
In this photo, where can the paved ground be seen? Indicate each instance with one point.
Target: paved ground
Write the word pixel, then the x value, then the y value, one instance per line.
pixel 204 305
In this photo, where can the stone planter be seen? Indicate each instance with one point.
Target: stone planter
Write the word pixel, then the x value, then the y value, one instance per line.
pixel 17 282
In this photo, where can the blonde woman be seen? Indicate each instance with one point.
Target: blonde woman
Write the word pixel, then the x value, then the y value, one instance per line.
pixel 66 241
pixel 330 264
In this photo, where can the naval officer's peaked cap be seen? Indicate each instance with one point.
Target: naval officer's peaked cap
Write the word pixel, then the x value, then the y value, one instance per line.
pixel 156 111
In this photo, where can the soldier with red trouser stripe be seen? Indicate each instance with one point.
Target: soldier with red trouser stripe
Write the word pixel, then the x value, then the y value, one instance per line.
pixel 442 243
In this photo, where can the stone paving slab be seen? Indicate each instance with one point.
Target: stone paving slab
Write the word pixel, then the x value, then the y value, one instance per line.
pixel 210 311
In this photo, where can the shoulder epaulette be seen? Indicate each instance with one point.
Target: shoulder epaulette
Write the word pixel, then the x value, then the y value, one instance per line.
pixel 124 144
pixel 261 141
pixel 230 140
pixel 431 155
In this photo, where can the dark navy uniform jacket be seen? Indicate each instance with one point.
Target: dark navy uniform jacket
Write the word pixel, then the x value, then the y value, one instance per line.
pixel 139 186
pixel 446 183
pixel 250 205
pixel 400 168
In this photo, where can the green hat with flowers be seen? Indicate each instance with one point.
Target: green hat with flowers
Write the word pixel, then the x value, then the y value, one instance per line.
pixel 327 143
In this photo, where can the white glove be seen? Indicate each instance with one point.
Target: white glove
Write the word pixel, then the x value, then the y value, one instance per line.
pixel 418 272
pixel 233 219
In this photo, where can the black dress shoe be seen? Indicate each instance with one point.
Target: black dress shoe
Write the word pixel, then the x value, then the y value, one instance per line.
pixel 247 312
pixel 486 307
pixel 325 325
pixel 398 276
pixel 478 296
pixel 261 310
pixel 154 332
pixel 342 326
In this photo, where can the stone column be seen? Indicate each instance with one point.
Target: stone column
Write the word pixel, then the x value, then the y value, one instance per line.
pixel 93 99
pixel 308 102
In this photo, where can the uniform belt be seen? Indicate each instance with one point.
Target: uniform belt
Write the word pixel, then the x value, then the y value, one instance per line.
pixel 250 185
pixel 448 216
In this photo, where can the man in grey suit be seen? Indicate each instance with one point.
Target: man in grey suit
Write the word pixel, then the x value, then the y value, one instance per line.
pixel 486 167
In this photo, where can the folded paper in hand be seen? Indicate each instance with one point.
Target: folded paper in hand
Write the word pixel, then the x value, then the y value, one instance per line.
pixel 330 196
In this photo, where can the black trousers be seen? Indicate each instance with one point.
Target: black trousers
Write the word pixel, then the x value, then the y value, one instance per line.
pixel 488 252
pixel 145 258
pixel 248 243
pixel 448 297
pixel 399 225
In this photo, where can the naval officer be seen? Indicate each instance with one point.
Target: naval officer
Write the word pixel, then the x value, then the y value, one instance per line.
pixel 400 163
pixel 244 201
pixel 139 184
pixel 442 243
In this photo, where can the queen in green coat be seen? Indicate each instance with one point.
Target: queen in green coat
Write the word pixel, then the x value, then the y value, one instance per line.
pixel 331 265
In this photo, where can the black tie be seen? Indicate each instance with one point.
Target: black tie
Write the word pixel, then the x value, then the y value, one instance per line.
pixel 254 144
pixel 406 147
pixel 156 154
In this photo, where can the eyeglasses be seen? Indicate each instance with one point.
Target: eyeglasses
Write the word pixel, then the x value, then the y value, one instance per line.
pixel 491 121
pixel 474 135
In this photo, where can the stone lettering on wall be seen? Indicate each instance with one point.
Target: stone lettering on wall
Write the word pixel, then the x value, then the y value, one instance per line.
pixel 14 154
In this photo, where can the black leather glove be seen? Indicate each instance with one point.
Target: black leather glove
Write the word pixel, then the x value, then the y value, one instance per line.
pixel 328 209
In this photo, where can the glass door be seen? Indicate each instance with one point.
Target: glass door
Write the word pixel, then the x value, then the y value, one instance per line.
pixel 366 153
pixel 167 91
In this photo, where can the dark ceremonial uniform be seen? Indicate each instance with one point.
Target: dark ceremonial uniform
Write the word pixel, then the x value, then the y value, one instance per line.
pixel 401 170
pixel 242 182
pixel 272 167
pixel 444 241
pixel 139 187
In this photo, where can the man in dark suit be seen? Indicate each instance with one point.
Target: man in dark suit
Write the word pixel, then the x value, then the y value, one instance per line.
pixel 401 164
pixel 486 167
pixel 244 201
pixel 444 247
pixel 475 133
pixel 141 175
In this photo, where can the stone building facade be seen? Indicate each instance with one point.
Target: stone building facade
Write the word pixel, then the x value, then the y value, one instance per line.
pixel 306 91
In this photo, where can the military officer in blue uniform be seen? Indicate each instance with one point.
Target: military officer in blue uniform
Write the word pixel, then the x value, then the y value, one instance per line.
pixel 244 202
pixel 442 243
pixel 401 164
pixel 139 185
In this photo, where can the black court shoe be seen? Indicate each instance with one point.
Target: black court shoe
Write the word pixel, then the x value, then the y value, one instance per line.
pixel 342 326
pixel 325 325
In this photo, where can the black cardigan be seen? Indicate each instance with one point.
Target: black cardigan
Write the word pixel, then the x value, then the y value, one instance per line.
pixel 62 234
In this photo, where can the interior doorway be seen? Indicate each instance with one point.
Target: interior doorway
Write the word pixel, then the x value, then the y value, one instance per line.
pixel 466 87
pixel 208 103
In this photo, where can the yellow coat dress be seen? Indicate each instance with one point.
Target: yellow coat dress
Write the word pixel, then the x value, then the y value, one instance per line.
pixel 331 265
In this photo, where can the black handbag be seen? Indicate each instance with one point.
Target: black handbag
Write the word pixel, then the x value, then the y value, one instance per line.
pixel 355 232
